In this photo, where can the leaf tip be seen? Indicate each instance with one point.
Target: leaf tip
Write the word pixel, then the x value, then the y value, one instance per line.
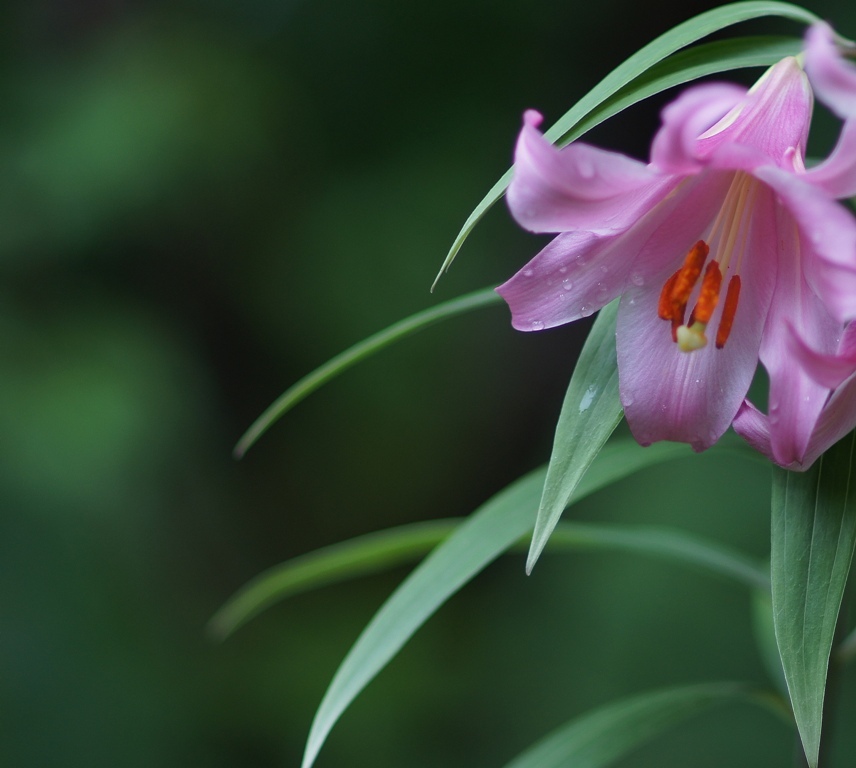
pixel 532 557
pixel 216 630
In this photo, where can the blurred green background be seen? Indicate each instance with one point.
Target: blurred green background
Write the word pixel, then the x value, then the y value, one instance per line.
pixel 199 203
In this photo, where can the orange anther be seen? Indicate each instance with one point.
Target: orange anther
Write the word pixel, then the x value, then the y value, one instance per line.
pixel 688 274
pixel 728 311
pixel 709 295
pixel 664 308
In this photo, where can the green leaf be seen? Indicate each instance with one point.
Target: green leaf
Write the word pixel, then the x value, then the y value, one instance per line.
pixel 603 736
pixel 346 560
pixel 487 533
pixel 663 543
pixel 813 534
pixel 386 549
pixel 683 67
pixel 357 353
pixel 625 75
pixel 590 413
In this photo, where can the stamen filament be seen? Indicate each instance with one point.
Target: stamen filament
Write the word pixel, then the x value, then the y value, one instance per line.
pixel 726 250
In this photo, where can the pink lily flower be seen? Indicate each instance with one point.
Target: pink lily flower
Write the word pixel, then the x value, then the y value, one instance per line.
pixel 814 402
pixel 723 234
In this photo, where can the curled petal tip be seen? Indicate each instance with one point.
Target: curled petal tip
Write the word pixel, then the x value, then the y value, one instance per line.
pixel 832 76
pixel 533 118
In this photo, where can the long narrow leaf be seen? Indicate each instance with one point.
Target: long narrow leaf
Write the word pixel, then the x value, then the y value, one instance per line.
pixel 590 412
pixel 361 556
pixel 601 737
pixel 403 544
pixel 626 73
pixel 663 543
pixel 358 352
pixel 683 67
pixel 487 533
pixel 813 535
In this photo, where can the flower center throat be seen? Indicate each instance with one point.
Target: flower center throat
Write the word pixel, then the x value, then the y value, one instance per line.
pixel 728 236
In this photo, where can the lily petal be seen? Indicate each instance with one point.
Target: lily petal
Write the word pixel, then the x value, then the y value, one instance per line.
pixel 575 275
pixel 847 345
pixel 578 272
pixel 836 421
pixel 555 190
pixel 833 78
pixel 837 174
pixel 773 118
pixel 828 233
pixel 754 427
pixel 828 370
pixel 796 398
pixel 685 119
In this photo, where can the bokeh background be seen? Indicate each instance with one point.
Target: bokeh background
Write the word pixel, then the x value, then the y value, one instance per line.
pixel 199 203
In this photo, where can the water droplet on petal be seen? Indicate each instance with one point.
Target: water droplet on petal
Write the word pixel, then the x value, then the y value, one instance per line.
pixel 527 273
pixel 536 325
pixel 567 284
pixel 637 279
pixel 774 413
pixel 562 270
pixel 604 269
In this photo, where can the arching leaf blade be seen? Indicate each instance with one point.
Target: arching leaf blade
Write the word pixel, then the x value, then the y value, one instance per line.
pixel 403 544
pixel 681 68
pixel 485 535
pixel 350 559
pixel 647 57
pixel 355 354
pixel 605 735
pixel 664 543
pixel 813 536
